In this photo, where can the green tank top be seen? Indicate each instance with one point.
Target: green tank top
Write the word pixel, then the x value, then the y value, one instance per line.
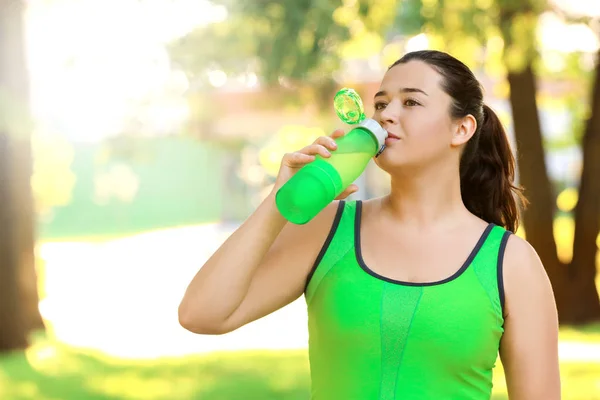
pixel 371 337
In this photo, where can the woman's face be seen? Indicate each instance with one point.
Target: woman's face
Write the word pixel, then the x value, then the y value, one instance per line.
pixel 414 109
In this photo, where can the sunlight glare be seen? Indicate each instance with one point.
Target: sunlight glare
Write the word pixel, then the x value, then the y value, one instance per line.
pixel 87 80
pixel 217 78
pixel 120 297
pixel 564 229
pixel 556 35
pixel 580 7
pixel 567 199
pixel 419 42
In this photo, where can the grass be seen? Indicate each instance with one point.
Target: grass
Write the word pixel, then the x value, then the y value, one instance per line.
pixel 52 371
pixel 588 333
pixel 579 380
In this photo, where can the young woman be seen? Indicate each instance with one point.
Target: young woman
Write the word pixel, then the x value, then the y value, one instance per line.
pixel 412 295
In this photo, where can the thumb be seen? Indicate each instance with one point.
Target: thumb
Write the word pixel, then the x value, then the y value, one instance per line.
pixel 347 192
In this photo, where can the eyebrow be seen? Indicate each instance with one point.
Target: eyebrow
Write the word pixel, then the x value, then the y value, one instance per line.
pixel 402 90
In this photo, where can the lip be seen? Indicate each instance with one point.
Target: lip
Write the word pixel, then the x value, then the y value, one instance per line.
pixel 392 136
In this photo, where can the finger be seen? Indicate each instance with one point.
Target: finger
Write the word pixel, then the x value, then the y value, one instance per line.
pixel 315 149
pixel 297 159
pixel 347 192
pixel 327 142
pixel 337 133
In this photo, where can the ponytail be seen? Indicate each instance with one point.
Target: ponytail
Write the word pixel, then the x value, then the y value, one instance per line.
pixel 487 172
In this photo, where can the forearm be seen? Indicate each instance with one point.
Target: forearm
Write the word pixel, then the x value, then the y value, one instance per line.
pixel 220 286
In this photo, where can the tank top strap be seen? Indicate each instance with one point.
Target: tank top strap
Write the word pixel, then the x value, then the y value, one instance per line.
pixel 487 265
pixel 339 243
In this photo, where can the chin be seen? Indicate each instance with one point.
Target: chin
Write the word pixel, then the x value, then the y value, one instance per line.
pixel 390 159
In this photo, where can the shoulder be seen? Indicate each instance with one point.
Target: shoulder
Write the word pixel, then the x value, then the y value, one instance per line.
pixel 521 258
pixel 525 278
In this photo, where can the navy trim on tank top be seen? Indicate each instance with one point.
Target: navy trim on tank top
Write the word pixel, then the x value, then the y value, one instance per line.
pixel 363 265
pixel 500 266
pixel 334 226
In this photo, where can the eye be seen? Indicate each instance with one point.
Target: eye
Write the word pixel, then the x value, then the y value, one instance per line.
pixel 380 106
pixel 411 103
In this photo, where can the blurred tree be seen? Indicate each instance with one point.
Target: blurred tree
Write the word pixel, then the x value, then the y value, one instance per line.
pixel 574 284
pixel 291 41
pixel 582 271
pixel 12 327
pixel 290 44
pixel 517 24
pixel 19 311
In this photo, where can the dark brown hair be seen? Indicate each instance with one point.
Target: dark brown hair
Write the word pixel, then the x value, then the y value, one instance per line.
pixel 487 164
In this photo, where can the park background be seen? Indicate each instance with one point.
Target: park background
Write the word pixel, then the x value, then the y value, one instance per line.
pixel 136 135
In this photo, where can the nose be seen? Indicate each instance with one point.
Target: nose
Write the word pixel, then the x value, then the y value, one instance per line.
pixel 390 114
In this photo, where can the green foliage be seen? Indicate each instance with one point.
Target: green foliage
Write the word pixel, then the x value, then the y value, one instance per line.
pixel 286 41
pixel 135 185
pixel 464 27
pixel 570 103
pixel 276 39
pixel 304 40
pixel 409 19
pixel 572 81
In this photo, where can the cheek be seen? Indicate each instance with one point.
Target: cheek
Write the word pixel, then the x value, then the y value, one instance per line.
pixel 426 135
pixel 424 139
pixel 428 131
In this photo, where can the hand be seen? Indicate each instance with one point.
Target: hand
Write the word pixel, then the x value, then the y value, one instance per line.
pixel 292 162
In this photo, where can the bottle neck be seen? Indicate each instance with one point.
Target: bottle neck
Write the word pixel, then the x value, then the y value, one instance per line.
pixel 378 133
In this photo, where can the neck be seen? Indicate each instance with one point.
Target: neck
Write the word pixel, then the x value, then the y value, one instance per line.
pixel 427 197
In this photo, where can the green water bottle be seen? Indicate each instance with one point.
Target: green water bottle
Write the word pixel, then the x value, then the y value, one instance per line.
pixel 318 183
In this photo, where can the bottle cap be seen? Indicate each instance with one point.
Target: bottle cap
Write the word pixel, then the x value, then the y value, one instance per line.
pixel 376 129
pixel 349 106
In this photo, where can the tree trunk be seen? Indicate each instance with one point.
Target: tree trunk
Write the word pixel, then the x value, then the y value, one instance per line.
pixel 24 233
pixel 586 304
pixel 15 128
pixel 539 216
pixel 532 165
pixel 13 334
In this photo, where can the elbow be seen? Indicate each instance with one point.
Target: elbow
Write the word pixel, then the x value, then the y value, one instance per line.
pixel 193 321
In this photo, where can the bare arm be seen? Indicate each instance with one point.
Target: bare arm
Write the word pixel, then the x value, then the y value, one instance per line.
pixel 529 346
pixel 259 269
pixel 262 266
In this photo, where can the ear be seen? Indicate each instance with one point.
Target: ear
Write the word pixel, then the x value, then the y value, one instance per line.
pixel 464 129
